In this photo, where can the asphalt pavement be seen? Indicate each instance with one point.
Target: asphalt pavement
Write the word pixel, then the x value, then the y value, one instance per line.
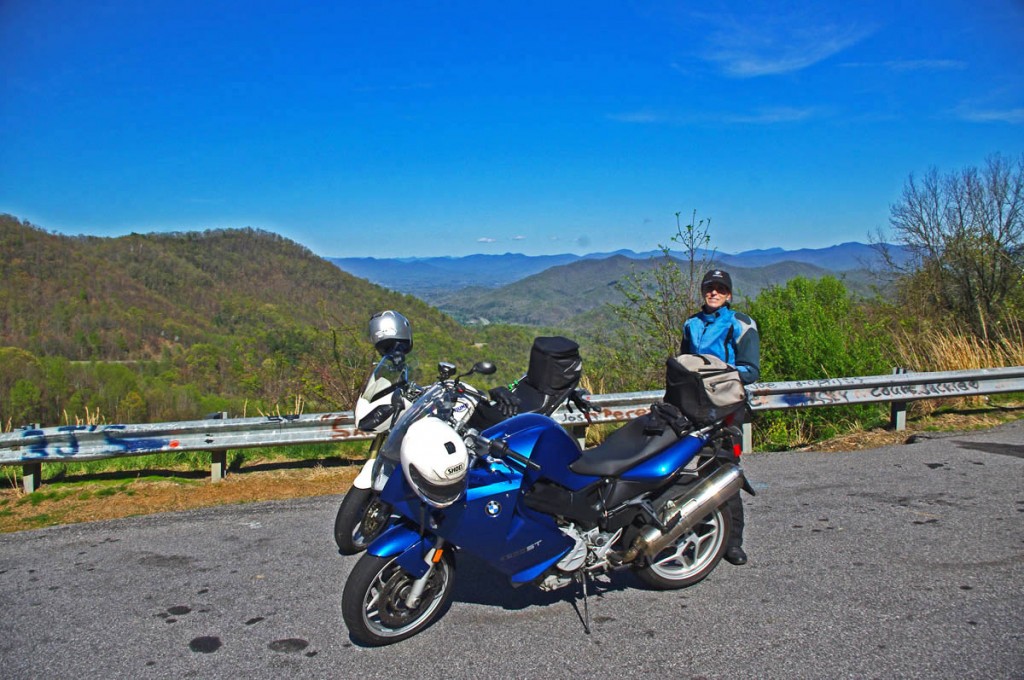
pixel 903 561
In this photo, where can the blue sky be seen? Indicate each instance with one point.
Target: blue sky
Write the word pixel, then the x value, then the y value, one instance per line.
pixel 449 128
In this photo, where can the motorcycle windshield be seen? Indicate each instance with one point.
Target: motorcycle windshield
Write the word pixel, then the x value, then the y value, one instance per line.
pixel 390 372
pixel 429 403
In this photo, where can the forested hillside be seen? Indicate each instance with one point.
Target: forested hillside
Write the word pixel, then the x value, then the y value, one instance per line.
pixel 192 322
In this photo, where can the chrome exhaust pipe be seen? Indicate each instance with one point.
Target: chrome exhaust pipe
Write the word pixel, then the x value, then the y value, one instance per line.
pixel 707 495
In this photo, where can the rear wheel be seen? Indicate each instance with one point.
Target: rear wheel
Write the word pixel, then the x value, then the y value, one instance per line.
pixel 692 556
pixel 361 518
pixel 374 601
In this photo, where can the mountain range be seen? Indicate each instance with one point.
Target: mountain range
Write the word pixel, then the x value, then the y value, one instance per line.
pixel 431 275
pixel 573 291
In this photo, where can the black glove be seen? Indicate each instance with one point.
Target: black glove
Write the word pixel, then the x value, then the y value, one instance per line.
pixel 579 398
pixel 505 401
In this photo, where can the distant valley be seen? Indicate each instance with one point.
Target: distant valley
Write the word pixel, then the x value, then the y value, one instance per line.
pixel 571 290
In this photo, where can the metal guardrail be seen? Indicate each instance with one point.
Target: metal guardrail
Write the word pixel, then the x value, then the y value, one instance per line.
pixel 30 447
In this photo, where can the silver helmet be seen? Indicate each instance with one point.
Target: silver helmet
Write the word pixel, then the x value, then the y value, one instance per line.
pixel 390 332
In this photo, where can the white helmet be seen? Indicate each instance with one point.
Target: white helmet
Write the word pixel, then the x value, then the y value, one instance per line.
pixel 434 461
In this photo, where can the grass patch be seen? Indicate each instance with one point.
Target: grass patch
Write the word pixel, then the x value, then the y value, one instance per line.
pixel 36 521
pixel 37 497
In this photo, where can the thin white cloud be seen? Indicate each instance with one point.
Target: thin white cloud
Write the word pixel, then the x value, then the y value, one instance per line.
pixel 638 117
pixel 772 45
pixel 1012 116
pixel 401 87
pixel 926 65
pixel 486 239
pixel 519 237
pixel 911 65
pixel 781 114
pixel 767 116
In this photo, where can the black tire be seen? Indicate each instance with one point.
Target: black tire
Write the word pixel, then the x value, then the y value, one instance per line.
pixel 692 556
pixel 373 603
pixel 361 518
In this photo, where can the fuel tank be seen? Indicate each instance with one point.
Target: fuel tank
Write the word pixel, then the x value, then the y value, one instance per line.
pixel 546 443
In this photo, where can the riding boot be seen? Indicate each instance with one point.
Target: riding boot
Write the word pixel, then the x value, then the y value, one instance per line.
pixel 735 554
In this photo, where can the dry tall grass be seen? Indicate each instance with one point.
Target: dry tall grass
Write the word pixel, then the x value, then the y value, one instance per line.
pixel 950 350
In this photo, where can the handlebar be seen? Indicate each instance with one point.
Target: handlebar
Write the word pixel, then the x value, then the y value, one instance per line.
pixel 501 449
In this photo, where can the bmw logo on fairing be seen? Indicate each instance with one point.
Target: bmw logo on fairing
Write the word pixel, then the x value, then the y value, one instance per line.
pixel 493 508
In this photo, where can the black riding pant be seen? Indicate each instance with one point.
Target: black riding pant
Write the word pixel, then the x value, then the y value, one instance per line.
pixel 735 504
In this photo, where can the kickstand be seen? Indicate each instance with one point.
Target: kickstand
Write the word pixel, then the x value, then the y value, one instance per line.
pixel 581 576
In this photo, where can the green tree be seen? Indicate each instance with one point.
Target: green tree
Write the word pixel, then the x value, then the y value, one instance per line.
pixel 26 401
pixel 813 330
pixel 132 408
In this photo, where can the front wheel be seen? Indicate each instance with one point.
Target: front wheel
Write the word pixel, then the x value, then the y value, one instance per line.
pixel 374 605
pixel 692 556
pixel 361 518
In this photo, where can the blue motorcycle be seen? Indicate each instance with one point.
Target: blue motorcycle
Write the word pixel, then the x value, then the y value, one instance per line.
pixel 522 497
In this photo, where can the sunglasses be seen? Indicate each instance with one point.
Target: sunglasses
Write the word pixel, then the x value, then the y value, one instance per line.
pixel 716 288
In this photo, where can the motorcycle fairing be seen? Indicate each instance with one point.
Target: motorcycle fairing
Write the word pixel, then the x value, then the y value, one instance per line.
pixel 487 522
pixel 396 539
pixel 663 465
pixel 364 480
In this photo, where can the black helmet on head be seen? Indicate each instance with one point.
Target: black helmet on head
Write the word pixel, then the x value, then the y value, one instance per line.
pixel 716 276
pixel 390 332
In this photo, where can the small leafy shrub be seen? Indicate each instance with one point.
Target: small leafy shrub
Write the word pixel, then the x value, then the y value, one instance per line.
pixel 813 330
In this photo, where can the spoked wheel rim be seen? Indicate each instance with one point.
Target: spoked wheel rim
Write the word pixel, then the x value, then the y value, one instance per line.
pixel 385 612
pixel 374 519
pixel 693 551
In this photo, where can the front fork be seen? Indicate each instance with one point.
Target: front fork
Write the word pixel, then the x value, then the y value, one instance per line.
pixel 364 480
pixel 412 599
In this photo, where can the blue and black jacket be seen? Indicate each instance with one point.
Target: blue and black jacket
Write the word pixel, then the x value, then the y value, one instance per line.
pixel 730 336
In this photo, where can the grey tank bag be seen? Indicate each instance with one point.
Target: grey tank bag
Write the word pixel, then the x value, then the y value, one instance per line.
pixel 703 387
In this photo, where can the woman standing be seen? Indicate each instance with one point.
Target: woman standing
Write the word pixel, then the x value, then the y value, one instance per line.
pixel 732 337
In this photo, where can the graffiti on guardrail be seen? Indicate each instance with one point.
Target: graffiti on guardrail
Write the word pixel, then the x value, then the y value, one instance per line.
pixel 935 390
pixel 823 383
pixel 843 391
pixel 340 426
pixel 66 445
pixel 815 399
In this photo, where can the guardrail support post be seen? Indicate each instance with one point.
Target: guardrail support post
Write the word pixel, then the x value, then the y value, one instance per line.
pixel 218 465
pixel 579 433
pixel 898 409
pixel 748 437
pixel 31 476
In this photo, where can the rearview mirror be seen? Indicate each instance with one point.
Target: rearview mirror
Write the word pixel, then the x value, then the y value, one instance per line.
pixel 484 368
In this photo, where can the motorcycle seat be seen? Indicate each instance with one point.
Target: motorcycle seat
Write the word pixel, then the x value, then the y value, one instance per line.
pixel 625 448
